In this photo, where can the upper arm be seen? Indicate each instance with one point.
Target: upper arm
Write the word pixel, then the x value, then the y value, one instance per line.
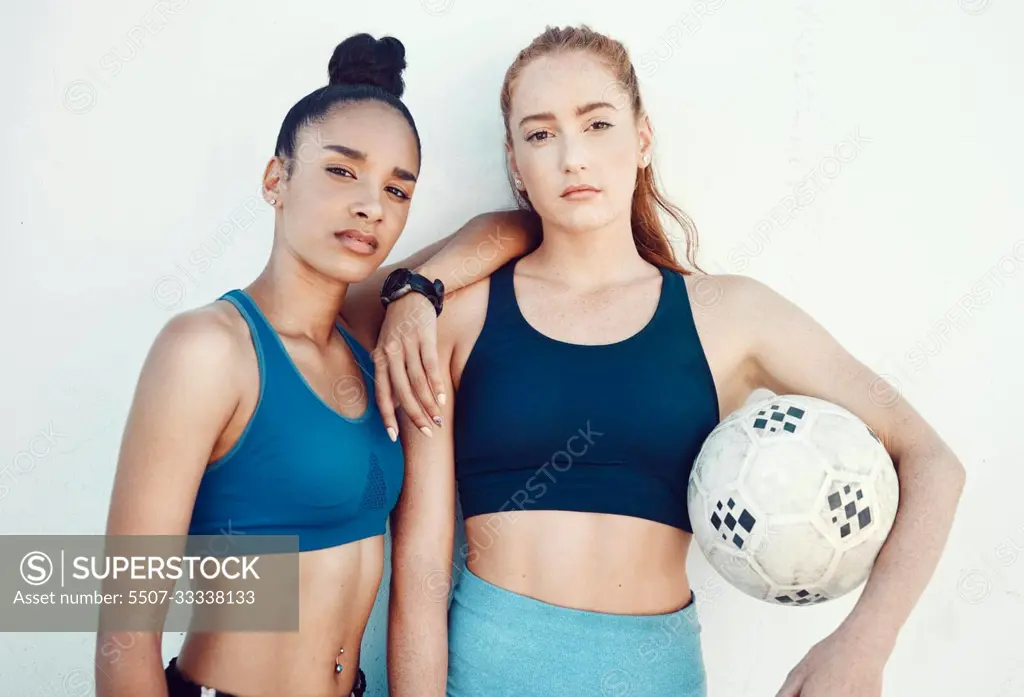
pixel 184 397
pixel 791 353
pixel 183 400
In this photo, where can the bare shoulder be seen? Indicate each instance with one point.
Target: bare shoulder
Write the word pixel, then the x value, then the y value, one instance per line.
pixel 714 292
pixel 206 342
pixel 735 300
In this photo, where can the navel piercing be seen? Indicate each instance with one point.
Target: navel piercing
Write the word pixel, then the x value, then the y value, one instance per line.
pixel 337 665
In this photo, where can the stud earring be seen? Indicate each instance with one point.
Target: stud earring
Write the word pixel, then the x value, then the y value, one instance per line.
pixel 272 201
pixel 519 183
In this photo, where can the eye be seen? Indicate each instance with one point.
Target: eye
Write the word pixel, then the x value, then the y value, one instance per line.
pixel 604 125
pixel 398 192
pixel 535 136
pixel 340 171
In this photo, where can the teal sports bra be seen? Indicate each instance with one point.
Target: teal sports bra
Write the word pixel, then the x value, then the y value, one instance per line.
pixel 299 467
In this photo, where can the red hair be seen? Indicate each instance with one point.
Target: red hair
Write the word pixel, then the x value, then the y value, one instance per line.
pixel 652 241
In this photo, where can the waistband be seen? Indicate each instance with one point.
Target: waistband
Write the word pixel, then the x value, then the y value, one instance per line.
pixel 487 598
pixel 179 685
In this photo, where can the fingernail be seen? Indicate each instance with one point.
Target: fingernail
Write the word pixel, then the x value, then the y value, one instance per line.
pixel 438 420
pixel 392 434
pixel 441 398
pixel 427 432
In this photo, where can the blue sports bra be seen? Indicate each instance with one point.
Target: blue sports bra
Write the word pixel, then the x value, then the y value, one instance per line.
pixel 299 467
pixel 541 424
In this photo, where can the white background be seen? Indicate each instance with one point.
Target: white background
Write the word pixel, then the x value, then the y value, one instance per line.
pixel 120 172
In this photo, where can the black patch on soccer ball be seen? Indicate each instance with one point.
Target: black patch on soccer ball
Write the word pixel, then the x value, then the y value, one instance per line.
pixel 747 520
pixel 801 597
pixel 856 509
pixel 739 526
pixel 765 421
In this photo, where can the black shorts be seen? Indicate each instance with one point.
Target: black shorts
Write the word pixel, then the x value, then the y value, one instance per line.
pixel 180 686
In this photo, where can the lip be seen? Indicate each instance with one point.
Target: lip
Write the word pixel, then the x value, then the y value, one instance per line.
pixel 579 191
pixel 358 241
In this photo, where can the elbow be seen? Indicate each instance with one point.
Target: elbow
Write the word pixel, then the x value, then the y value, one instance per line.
pixel 958 475
pixel 945 468
pixel 953 470
pixel 421 576
pixel 416 574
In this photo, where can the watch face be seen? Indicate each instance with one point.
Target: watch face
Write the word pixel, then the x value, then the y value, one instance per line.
pixel 396 280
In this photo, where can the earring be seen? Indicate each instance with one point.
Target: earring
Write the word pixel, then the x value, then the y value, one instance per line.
pixel 272 201
pixel 647 158
pixel 519 183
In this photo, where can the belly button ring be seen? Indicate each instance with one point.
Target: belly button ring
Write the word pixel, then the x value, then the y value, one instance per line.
pixel 337 665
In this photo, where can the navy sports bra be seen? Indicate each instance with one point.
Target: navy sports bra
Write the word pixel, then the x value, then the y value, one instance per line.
pixel 541 424
pixel 300 467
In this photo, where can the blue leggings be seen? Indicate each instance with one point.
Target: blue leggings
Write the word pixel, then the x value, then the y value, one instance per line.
pixel 503 644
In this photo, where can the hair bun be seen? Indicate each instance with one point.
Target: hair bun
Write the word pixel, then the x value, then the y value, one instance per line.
pixel 362 59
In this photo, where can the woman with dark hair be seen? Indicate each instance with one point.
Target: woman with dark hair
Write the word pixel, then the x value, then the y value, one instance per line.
pixel 585 377
pixel 254 415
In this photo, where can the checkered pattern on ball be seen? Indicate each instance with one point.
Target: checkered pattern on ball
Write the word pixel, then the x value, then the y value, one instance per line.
pixel 734 523
pixel 776 420
pixel 801 597
pixel 848 509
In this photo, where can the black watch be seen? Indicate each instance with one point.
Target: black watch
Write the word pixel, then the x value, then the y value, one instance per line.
pixel 402 281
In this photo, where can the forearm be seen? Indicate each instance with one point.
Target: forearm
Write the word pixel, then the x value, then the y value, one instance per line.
pixel 930 485
pixel 129 664
pixel 479 248
pixel 474 251
pixel 418 629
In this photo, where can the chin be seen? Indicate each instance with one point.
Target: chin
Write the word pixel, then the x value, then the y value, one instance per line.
pixel 585 218
pixel 352 268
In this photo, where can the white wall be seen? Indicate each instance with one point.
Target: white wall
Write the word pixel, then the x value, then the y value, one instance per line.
pixel 118 174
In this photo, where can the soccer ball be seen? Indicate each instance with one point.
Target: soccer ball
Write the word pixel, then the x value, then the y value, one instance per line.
pixel 791 498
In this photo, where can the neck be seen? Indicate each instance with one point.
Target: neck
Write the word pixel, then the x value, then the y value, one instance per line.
pixel 591 258
pixel 298 300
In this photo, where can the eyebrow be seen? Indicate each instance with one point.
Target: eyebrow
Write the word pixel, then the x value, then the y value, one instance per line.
pixel 580 111
pixel 360 156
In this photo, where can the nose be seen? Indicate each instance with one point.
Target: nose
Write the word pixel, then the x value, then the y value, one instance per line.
pixel 367 205
pixel 574 154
